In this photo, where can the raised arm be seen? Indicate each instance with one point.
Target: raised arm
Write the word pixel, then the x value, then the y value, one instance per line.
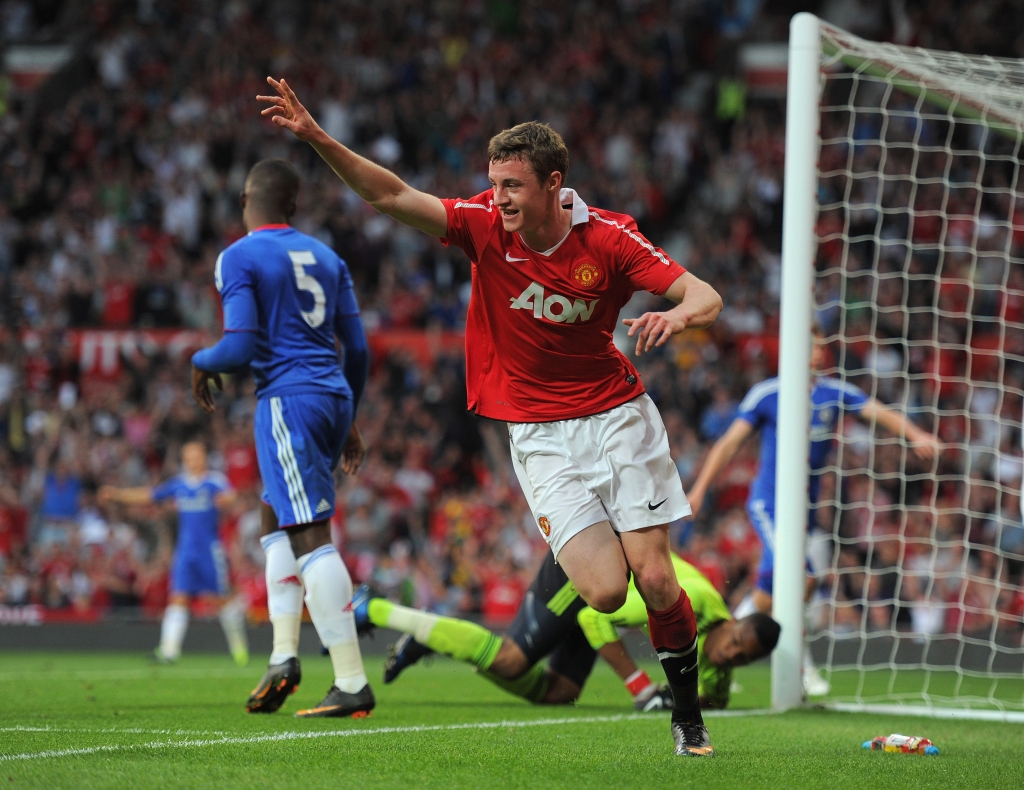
pixel 697 305
pixel 922 444
pixel 142 495
pixel 225 500
pixel 721 453
pixel 378 186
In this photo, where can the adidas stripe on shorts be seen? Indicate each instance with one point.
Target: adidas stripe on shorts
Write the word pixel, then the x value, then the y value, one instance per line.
pixel 299 439
pixel 612 466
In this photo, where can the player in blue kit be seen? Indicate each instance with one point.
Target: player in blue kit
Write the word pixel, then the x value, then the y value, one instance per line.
pixel 286 296
pixel 199 568
pixel 759 411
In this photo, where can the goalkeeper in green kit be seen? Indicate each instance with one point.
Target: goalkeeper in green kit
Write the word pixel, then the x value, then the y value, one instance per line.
pixel 554 622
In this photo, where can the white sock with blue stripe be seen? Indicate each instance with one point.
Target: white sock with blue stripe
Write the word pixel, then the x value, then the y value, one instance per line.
pixel 329 599
pixel 284 595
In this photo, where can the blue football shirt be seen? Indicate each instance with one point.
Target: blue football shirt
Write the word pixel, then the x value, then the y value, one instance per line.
pixel 196 501
pixel 829 398
pixel 291 291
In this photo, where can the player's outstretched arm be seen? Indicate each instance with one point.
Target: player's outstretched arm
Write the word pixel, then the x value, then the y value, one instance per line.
pixel 619 659
pixel 142 495
pixel 720 454
pixel 225 500
pixel 697 305
pixel 922 444
pixel 378 186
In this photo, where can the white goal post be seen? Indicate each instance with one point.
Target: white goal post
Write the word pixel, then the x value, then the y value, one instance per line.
pixel 903 239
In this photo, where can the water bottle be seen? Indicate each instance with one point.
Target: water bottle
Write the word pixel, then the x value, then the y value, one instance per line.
pixel 906 744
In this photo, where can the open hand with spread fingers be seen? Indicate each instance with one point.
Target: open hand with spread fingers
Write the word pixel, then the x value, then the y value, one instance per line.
pixel 654 329
pixel 286 110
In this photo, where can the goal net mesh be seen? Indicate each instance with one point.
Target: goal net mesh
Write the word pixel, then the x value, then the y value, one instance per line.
pixel 919 291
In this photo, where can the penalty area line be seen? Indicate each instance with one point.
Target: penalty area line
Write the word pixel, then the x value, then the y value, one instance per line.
pixel 306 735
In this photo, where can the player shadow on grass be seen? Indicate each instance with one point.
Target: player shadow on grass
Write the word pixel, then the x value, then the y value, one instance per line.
pixel 217 705
pixel 555 711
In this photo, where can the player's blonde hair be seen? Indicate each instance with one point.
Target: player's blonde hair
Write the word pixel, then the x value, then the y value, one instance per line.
pixel 533 142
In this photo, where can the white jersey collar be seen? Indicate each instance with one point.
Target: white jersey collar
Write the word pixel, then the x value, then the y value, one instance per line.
pixel 580 210
pixel 580 214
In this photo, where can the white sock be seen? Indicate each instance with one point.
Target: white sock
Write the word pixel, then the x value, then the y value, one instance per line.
pixel 232 620
pixel 640 686
pixel 172 630
pixel 348 666
pixel 284 595
pixel 328 595
pixel 414 622
pixel 745 607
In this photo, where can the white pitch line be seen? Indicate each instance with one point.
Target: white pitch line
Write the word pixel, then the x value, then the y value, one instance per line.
pixel 737 713
pixel 307 735
pixel 162 673
pixel 128 730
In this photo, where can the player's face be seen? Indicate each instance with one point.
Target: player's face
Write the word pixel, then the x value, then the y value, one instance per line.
pixel 523 201
pixel 193 458
pixel 737 646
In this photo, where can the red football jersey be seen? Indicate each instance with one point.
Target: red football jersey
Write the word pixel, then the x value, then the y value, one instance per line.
pixel 539 328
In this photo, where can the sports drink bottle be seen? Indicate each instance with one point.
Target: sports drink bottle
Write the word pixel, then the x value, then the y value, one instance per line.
pixel 906 744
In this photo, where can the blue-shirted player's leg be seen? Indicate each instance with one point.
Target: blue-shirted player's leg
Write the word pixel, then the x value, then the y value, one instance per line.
pixel 305 435
pixel 176 615
pixel 284 589
pixel 211 583
pixel 284 604
pixel 763 521
pixel 283 576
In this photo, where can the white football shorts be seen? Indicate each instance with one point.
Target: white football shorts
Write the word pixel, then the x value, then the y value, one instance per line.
pixel 614 466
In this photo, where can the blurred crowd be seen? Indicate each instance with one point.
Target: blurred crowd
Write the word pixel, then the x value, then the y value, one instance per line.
pixel 920 279
pixel 114 207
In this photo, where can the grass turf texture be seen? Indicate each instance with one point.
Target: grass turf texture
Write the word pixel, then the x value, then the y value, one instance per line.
pixel 95 720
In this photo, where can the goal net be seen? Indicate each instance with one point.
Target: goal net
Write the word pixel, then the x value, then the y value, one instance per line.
pixel 917 229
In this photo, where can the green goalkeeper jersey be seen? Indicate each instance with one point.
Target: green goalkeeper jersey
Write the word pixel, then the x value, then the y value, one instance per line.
pixel 708 607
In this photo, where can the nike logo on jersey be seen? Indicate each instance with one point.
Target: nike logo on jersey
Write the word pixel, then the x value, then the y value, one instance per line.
pixel 655 507
pixel 544 307
pixel 324 505
pixel 510 259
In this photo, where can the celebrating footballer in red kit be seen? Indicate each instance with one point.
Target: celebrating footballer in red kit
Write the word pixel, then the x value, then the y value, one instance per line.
pixel 550 275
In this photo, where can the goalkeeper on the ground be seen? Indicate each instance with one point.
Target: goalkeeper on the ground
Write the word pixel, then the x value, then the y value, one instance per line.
pixel 554 622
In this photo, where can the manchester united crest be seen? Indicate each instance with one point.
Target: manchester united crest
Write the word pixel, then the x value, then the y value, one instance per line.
pixel 545 526
pixel 586 274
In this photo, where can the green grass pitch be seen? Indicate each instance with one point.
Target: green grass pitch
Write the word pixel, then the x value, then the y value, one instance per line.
pixel 93 720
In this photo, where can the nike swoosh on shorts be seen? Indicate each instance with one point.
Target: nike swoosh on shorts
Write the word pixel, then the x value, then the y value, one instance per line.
pixel 655 507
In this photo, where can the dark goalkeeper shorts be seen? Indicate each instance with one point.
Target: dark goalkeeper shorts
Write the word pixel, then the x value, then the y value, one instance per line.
pixel 546 624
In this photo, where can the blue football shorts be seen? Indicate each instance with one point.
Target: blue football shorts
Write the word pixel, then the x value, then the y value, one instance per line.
pixel 200 569
pixel 762 518
pixel 299 439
